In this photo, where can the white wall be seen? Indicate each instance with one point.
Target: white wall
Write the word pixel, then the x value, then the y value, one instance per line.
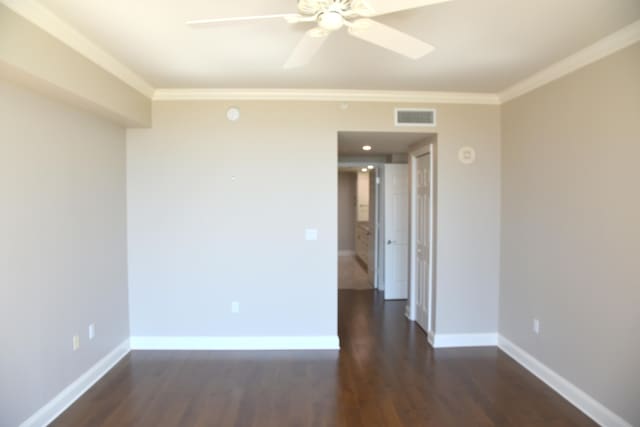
pixel 346 211
pixel 571 228
pixel 199 240
pixel 63 247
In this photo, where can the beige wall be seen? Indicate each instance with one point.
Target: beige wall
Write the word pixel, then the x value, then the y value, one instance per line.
pixel 571 228
pixel 32 57
pixel 197 241
pixel 62 247
pixel 346 211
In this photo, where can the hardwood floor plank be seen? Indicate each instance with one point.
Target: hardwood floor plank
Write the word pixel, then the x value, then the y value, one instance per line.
pixel 385 375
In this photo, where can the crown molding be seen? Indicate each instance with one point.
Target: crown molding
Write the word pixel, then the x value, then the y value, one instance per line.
pixel 40 16
pixel 325 95
pixel 43 18
pixel 617 41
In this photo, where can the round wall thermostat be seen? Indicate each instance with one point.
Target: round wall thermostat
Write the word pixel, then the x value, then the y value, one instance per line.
pixel 233 114
pixel 467 155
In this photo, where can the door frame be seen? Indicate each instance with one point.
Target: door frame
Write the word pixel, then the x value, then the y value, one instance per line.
pixel 428 148
pixel 378 232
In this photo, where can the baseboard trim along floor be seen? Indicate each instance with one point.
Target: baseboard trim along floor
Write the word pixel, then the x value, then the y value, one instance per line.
pixel 73 391
pixel 581 400
pixel 462 340
pixel 236 343
pixel 50 411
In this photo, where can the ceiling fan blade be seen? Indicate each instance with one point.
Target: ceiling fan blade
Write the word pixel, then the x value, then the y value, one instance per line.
pixel 389 38
pixel 289 17
pixel 306 48
pixel 382 7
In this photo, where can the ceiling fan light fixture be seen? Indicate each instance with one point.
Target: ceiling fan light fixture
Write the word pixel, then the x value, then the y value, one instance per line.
pixel 331 20
pixel 332 15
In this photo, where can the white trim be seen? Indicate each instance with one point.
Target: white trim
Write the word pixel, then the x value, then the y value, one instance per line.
pixel 37 14
pixel 603 48
pixel 325 95
pixel 346 252
pixel 236 343
pixel 463 340
pixel 42 17
pixel 50 411
pixel 587 404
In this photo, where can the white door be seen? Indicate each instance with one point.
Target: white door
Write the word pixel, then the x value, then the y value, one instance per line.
pixel 422 247
pixel 396 231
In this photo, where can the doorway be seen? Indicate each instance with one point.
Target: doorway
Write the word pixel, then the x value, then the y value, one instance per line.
pixel 356 214
pixel 422 236
pixel 385 236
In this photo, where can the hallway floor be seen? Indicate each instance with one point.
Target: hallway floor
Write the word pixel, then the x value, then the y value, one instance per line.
pixel 385 375
pixel 351 274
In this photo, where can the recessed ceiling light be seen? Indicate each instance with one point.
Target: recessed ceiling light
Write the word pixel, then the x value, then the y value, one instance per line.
pixel 370 167
pixel 366 147
pixel 364 170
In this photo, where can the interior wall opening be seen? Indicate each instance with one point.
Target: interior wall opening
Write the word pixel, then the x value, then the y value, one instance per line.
pixel 386 219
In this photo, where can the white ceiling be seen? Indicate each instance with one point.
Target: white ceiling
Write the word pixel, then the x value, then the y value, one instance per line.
pixel 481 45
pixel 382 143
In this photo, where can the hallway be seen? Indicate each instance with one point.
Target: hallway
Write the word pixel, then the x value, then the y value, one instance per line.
pixel 351 274
pixel 385 375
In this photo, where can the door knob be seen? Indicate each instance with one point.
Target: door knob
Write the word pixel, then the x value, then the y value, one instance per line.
pixel 390 242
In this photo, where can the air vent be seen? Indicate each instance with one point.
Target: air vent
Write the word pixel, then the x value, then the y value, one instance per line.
pixel 415 117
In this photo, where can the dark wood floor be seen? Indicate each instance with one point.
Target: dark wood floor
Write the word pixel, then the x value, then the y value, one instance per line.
pixel 385 375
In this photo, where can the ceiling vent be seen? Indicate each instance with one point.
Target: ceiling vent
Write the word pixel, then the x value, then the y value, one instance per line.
pixel 415 117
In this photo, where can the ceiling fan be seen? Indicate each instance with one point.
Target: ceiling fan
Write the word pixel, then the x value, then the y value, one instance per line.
pixel 332 15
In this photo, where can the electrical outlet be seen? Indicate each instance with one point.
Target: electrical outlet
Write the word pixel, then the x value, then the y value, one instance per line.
pixel 92 331
pixel 235 307
pixel 76 342
pixel 536 326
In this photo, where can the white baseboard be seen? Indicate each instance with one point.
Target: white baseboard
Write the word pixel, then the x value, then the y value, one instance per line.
pixel 49 412
pixel 581 400
pixel 236 343
pixel 346 253
pixel 462 340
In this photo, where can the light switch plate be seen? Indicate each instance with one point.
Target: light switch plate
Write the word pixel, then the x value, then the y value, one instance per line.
pixel 311 234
